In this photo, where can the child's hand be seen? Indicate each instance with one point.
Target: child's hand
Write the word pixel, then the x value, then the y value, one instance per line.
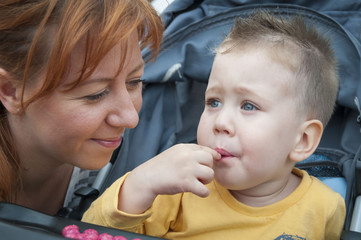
pixel 181 168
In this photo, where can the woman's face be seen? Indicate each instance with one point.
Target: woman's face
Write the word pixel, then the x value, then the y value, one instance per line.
pixel 84 126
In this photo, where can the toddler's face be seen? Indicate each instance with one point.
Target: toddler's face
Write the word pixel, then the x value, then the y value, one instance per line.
pixel 250 118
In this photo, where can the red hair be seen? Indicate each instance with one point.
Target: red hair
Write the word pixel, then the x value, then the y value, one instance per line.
pixel 39 36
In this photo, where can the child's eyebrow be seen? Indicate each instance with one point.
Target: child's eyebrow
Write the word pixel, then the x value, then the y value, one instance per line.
pixel 243 91
pixel 247 92
pixel 238 90
pixel 213 89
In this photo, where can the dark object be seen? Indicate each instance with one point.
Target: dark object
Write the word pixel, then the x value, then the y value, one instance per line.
pixel 17 223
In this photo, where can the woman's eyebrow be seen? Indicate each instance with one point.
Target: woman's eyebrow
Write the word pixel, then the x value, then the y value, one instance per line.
pixel 96 80
pixel 137 68
pixel 107 79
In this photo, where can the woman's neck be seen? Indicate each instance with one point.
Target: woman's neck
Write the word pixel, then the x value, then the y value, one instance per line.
pixel 44 181
pixel 44 191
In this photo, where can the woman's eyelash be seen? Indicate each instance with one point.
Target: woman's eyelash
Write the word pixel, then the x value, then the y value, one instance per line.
pixel 134 83
pixel 98 96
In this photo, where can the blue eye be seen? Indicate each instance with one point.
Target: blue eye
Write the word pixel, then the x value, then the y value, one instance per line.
pixel 248 107
pixel 98 96
pixel 213 103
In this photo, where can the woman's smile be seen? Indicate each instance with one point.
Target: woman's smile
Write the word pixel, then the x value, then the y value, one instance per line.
pixel 109 142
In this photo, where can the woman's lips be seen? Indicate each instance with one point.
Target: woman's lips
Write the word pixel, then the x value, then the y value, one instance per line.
pixel 109 143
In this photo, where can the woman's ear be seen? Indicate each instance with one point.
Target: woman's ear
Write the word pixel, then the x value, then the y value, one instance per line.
pixel 309 138
pixel 9 92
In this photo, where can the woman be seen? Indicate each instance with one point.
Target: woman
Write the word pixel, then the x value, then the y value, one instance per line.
pixel 69 85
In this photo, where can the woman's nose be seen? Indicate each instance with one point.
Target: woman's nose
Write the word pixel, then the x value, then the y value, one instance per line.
pixel 125 111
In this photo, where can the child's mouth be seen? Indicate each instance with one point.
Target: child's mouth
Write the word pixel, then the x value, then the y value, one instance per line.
pixel 223 152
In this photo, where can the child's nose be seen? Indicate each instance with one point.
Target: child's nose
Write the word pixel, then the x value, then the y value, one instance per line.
pixel 224 123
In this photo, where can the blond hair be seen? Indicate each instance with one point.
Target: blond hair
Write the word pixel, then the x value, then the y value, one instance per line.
pixel 316 80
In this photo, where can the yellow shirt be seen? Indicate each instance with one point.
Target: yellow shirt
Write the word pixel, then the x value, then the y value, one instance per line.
pixel 313 211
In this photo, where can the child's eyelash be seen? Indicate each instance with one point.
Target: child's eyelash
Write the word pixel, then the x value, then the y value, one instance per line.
pixel 209 101
pixel 213 102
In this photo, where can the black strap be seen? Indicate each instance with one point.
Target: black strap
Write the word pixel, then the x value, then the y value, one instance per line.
pixel 83 198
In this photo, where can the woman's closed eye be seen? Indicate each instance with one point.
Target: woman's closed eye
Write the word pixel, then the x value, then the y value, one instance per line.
pixel 134 83
pixel 98 96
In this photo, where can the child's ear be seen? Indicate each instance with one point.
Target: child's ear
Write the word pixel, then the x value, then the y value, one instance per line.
pixel 9 92
pixel 308 140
